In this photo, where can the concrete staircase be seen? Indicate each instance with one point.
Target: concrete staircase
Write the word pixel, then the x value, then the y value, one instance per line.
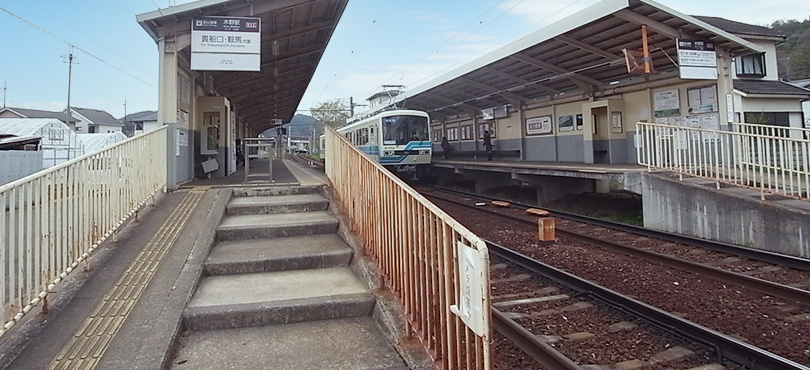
pixel 277 292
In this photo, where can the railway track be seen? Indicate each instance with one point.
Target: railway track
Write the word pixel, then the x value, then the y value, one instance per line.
pixel 744 351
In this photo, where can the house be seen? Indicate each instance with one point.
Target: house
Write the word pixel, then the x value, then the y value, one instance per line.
pixel 142 121
pixel 95 121
pixel 759 95
pixel 9 112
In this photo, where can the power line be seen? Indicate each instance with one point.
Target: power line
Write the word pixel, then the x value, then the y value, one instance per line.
pixel 445 41
pixel 74 46
pixel 90 38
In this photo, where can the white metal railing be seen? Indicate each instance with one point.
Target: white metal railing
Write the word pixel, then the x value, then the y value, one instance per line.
pixel 52 220
pixel 749 156
pixel 438 270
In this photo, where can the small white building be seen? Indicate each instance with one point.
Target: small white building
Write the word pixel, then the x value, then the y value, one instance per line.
pixel 143 121
pixel 95 142
pixel 59 143
pixel 92 121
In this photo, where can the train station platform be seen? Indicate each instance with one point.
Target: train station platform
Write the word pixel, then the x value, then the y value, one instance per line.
pixel 213 276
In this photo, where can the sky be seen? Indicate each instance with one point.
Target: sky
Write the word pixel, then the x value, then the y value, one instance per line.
pixel 377 42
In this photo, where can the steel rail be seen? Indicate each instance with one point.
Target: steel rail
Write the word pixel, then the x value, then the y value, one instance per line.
pixel 727 347
pixel 760 285
pixel 544 354
pixel 755 254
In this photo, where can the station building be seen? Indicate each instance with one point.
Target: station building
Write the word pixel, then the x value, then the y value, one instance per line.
pixel 573 91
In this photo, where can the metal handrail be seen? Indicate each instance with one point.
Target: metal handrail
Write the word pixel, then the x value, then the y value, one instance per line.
pixel 52 220
pixel 768 163
pixel 423 255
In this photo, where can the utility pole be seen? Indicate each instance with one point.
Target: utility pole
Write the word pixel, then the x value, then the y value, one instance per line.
pixel 5 93
pixel 125 115
pixel 70 72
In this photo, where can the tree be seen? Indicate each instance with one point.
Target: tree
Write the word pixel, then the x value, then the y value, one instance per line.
pixel 331 113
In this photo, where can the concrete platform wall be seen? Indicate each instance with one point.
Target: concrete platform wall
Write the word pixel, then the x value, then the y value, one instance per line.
pixel 731 215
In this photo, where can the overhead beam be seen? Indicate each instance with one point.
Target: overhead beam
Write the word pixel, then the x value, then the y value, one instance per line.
pixel 555 69
pixel 658 27
pixel 521 81
pixel 574 42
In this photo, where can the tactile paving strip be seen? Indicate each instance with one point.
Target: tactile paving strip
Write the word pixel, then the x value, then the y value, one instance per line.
pixel 88 344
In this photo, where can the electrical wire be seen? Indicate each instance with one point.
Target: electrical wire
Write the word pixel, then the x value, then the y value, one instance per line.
pixel 128 60
pixel 74 46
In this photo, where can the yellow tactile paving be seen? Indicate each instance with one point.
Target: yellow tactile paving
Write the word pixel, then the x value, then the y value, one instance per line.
pixel 88 344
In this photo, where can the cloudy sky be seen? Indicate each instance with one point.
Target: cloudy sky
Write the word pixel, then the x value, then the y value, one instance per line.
pixel 378 42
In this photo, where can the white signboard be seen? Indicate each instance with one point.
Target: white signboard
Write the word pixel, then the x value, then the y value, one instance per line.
pixel 538 125
pixel 697 59
pixel 226 44
pixel 472 265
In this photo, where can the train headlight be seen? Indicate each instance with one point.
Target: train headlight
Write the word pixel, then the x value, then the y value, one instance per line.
pixel 424 152
pixel 388 153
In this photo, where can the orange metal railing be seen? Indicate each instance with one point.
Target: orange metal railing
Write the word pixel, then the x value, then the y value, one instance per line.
pixel 438 270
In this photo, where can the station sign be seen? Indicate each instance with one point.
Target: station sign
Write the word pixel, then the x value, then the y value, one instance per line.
pixel 226 44
pixel 697 59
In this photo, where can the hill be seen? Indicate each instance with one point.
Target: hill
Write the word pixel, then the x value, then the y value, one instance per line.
pixel 794 54
pixel 301 126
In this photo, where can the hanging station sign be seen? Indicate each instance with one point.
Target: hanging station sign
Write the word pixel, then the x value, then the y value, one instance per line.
pixel 226 44
pixel 697 60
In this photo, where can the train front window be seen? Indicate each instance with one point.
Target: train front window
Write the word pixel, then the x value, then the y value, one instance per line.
pixel 399 130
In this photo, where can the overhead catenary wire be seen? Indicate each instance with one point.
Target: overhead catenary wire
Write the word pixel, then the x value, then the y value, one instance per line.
pixel 74 46
pixel 442 44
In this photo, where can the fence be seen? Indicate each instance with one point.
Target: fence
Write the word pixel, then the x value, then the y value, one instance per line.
pixel 771 160
pixel 438 269
pixel 52 220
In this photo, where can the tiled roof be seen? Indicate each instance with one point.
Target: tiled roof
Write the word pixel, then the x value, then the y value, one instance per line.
pixel 148 115
pixel 738 28
pixel 34 113
pixel 98 117
pixel 766 87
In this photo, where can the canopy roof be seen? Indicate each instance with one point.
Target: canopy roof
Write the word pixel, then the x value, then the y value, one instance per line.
pixel 294 36
pixel 95 142
pixel 580 56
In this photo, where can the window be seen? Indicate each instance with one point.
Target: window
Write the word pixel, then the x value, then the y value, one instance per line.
pixel 768 118
pixel 750 65
pixel 437 135
pixel 399 130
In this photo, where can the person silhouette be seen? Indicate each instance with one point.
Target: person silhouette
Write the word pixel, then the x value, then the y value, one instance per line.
pixel 446 148
pixel 488 144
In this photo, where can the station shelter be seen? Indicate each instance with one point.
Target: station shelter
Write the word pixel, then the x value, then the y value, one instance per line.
pixel 230 69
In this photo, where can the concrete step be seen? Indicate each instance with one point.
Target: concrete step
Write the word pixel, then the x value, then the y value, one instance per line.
pixel 277 204
pixel 270 298
pixel 277 190
pixel 343 344
pixel 241 227
pixel 278 254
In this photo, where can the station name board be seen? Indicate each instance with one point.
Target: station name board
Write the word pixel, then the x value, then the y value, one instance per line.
pixel 226 44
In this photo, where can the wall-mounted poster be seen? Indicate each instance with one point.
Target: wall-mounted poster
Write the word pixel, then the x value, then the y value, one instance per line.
pixel 579 121
pixel 616 122
pixel 702 99
pixel 539 125
pixel 565 123
pixel 666 103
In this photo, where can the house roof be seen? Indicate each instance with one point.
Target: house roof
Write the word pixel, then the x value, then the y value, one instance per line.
pixel 142 116
pixel 34 113
pixel 575 58
pixel 766 87
pixel 739 28
pixel 805 83
pixel 294 36
pixel 98 117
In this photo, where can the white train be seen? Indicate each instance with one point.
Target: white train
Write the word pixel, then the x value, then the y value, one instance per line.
pixel 399 139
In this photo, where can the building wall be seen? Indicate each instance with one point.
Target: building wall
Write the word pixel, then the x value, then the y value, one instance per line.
pixel 108 128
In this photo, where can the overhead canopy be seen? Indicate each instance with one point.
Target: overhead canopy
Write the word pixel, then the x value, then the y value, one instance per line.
pixel 294 35
pixel 580 56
